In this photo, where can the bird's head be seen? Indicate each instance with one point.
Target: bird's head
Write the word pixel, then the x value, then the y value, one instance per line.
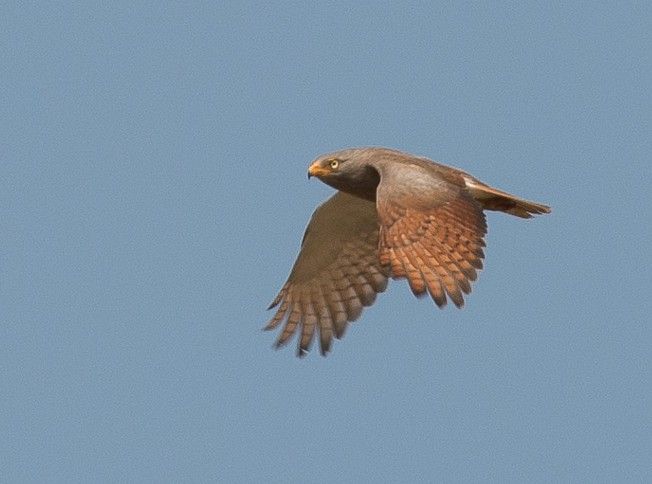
pixel 347 170
pixel 330 166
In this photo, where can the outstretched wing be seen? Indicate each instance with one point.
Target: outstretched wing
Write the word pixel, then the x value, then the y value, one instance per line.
pixel 431 231
pixel 336 274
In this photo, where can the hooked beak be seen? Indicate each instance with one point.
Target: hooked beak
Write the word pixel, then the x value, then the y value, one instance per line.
pixel 316 170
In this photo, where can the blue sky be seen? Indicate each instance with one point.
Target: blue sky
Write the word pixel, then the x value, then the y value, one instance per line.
pixel 154 196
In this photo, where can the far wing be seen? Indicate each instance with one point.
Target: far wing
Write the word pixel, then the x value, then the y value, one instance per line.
pixel 336 274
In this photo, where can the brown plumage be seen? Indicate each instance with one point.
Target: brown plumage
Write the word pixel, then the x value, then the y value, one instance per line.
pixel 395 215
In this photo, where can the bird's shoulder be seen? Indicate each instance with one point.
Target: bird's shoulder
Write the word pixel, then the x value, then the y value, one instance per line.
pixel 403 168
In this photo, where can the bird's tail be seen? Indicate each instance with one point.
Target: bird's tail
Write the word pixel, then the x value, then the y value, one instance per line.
pixel 493 199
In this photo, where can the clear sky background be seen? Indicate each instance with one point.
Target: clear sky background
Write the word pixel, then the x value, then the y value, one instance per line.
pixel 153 197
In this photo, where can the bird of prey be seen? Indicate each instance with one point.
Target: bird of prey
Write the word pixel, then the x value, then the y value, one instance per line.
pixel 395 215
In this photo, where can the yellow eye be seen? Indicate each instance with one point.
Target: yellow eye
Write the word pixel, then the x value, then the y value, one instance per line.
pixel 334 164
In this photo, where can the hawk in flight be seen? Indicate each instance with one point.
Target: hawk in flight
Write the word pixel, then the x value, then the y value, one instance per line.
pixel 395 215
